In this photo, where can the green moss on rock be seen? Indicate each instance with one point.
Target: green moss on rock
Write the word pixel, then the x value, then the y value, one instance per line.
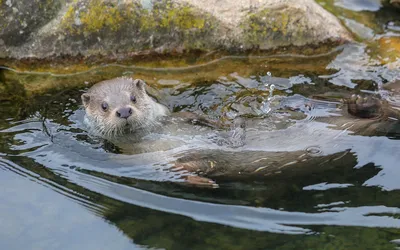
pixel 99 15
pixel 169 15
pixel 115 27
pixel 265 25
pixel 68 19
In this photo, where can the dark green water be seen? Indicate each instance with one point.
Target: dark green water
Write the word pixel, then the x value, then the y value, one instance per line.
pixel 61 189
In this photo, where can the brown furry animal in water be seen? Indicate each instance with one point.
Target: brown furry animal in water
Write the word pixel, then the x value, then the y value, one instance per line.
pixel 121 108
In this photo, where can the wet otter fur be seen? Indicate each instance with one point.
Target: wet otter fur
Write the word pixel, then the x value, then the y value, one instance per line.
pixel 367 116
pixel 121 107
pixel 121 112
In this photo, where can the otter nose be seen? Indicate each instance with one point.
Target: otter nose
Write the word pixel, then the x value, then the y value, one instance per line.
pixel 124 112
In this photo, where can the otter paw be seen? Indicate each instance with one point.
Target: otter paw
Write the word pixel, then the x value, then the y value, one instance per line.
pixel 367 107
pixel 197 181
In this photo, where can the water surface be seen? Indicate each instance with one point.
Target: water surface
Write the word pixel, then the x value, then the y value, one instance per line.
pixel 63 189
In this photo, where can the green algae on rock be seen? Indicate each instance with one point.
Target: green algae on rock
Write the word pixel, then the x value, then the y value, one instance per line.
pixel 288 23
pixel 115 27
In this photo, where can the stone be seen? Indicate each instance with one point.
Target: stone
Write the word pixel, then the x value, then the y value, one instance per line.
pixel 20 19
pixel 49 28
pixel 391 3
pixel 395 3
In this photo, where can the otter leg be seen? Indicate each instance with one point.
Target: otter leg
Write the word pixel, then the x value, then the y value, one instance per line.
pixel 193 180
pixel 198 181
pixel 367 107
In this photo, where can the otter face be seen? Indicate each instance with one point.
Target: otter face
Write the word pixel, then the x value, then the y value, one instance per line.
pixel 118 106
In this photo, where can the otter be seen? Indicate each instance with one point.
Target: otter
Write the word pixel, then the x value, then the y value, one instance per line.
pixel 121 106
pixel 120 110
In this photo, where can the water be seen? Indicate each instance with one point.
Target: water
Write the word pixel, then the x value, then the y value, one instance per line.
pixel 62 189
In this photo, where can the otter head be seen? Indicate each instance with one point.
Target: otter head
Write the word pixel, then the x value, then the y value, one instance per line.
pixel 119 106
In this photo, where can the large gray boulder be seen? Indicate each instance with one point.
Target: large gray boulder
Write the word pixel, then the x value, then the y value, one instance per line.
pixel 47 28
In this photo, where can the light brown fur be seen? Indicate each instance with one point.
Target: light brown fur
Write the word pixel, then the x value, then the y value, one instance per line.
pixel 116 94
pixel 366 116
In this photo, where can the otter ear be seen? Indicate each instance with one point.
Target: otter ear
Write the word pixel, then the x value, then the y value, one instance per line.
pixel 140 84
pixel 85 99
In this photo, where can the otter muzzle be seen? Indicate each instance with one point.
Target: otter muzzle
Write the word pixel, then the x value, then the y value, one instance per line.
pixel 124 112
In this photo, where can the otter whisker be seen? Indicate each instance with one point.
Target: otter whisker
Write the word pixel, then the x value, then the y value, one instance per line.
pixel 112 112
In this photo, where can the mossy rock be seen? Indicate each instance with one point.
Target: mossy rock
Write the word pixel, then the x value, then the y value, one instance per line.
pixel 288 23
pixel 118 28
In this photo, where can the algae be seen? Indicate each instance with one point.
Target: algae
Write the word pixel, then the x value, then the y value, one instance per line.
pixel 386 50
pixel 164 17
pixel 183 69
pixel 168 15
pixel 100 15
pixel 97 16
pixel 266 24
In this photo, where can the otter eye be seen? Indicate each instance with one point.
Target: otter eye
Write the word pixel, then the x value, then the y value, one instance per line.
pixel 133 98
pixel 104 106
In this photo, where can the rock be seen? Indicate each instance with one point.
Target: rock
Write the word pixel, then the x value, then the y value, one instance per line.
pixel 20 18
pixel 393 3
pixel 43 29
pixel 268 24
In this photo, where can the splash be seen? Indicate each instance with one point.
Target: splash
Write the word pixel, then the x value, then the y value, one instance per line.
pixel 266 104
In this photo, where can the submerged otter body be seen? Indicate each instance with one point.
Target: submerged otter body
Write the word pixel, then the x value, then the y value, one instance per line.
pixel 120 108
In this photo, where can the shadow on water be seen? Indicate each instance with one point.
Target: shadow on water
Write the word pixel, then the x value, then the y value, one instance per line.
pixel 343 194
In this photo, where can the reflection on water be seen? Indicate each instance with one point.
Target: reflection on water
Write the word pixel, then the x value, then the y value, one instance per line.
pixel 360 5
pixel 33 216
pixel 309 176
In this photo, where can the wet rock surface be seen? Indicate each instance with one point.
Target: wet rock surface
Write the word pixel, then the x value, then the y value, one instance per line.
pixel 42 29
pixel 395 3
pixel 20 19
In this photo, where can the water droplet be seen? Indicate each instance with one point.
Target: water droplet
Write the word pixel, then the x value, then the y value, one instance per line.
pixel 271 91
pixel 265 107
pixel 267 79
